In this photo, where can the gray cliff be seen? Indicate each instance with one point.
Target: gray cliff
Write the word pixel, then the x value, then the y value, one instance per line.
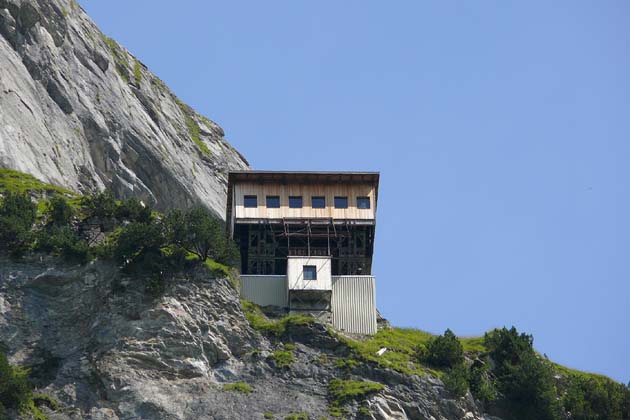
pixel 106 351
pixel 78 110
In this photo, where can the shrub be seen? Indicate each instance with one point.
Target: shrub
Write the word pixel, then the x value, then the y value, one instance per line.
pixel 59 211
pixel 101 205
pixel 15 391
pixel 17 215
pixel 595 398
pixel 63 241
pixel 140 244
pixel 456 379
pixel 283 358
pixel 134 211
pixel 481 383
pixel 444 351
pixel 241 387
pixel 524 381
pixel 199 233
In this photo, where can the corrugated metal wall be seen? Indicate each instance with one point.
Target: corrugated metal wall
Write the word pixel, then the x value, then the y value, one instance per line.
pixel 354 304
pixel 264 290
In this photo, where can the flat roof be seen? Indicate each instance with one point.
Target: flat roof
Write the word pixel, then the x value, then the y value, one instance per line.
pixel 303 176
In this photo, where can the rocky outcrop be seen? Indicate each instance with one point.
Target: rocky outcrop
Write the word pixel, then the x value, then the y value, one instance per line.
pixel 80 111
pixel 105 350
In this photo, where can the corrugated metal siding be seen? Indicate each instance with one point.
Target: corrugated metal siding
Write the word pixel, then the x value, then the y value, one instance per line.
pixel 354 304
pixel 264 290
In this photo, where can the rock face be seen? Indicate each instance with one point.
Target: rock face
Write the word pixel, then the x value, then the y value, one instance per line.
pixel 105 350
pixel 80 111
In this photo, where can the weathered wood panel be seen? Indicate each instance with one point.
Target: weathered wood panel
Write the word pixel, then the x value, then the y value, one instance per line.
pixel 306 191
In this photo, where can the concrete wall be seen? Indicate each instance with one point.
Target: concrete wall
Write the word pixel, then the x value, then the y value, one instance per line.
pixel 295 277
pixel 354 304
pixel 265 290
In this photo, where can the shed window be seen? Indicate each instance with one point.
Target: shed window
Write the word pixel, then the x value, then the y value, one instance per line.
pixel 318 202
pixel 295 202
pixel 363 202
pixel 341 202
pixel 250 201
pixel 273 202
pixel 310 272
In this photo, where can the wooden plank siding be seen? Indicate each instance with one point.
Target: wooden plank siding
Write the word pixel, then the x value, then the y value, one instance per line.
pixel 306 191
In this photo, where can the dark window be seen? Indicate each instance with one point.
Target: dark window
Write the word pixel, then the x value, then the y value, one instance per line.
pixel 341 202
pixel 363 202
pixel 295 202
pixel 273 202
pixel 251 201
pixel 318 202
pixel 310 272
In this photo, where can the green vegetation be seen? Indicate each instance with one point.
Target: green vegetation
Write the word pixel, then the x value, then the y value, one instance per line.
pixel 127 231
pixel 18 182
pixel 137 73
pixel 198 233
pixel 443 351
pixel 297 416
pixel 17 215
pixel 16 393
pixel 402 347
pixel 364 411
pixel 59 211
pixel 120 57
pixel 342 391
pixel 524 381
pixel 456 379
pixel 268 415
pixel 241 387
pixel 283 358
pixel 193 127
pixel 502 371
pixel 275 327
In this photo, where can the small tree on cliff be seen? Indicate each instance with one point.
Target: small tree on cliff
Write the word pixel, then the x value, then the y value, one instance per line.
pixel 199 233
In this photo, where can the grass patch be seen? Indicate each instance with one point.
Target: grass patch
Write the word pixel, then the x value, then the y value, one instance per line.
pixel 401 344
pixel 120 56
pixel 47 400
pixel 259 321
pixel 137 74
pixel 241 387
pixel 193 127
pixel 268 415
pixel 342 391
pixel 283 358
pixel 19 182
pixel 297 416
pixel 473 345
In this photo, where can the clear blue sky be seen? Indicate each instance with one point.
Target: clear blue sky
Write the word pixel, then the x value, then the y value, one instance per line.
pixel 501 128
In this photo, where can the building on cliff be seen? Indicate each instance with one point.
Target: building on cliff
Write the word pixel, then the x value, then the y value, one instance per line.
pixel 306 241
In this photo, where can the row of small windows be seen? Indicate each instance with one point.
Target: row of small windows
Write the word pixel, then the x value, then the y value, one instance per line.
pixel 296 202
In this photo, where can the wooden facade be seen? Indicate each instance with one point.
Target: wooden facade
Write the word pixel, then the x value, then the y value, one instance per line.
pixel 306 192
